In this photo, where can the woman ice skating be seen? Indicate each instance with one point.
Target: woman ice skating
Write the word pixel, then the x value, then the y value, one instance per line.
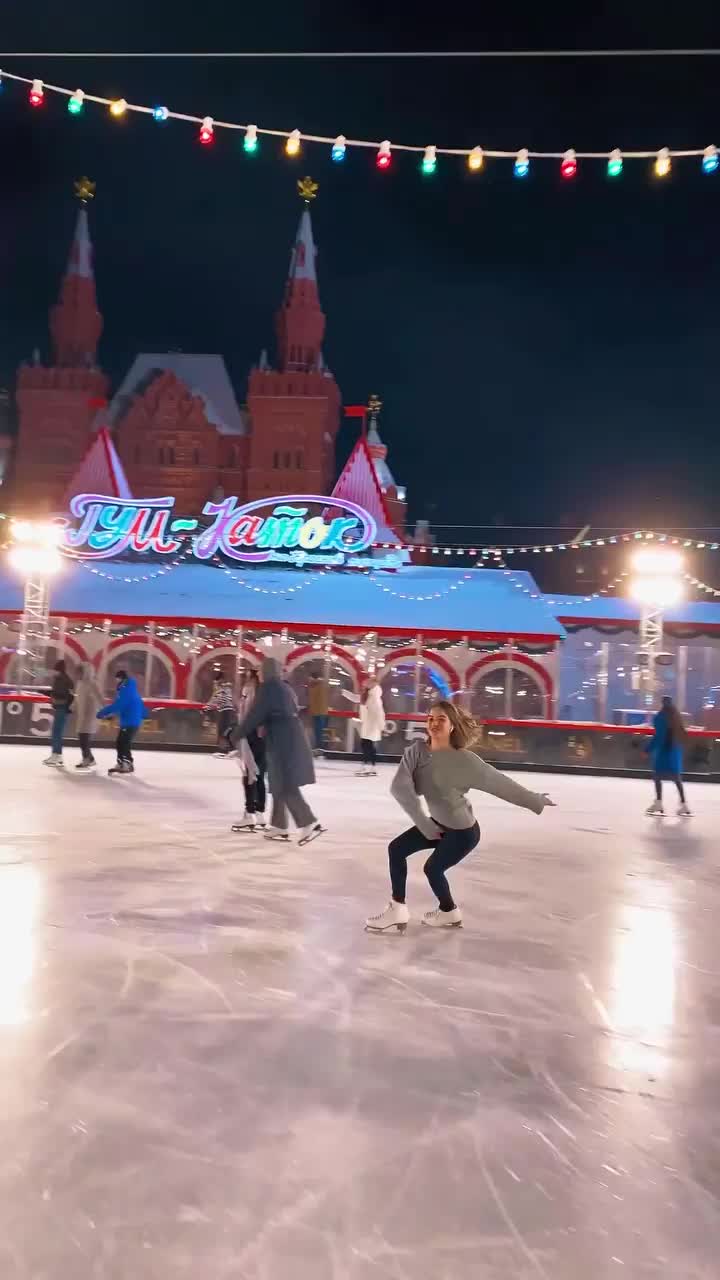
pixel 665 749
pixel 289 758
pixel 251 757
pixel 372 724
pixel 88 700
pixel 223 701
pixel 131 711
pixel 61 696
pixel 443 771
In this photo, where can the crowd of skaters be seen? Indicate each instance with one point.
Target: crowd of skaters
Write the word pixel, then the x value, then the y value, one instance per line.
pixel 260 727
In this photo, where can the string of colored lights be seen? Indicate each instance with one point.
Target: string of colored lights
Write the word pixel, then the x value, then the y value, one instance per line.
pixel 407 595
pixel 294 138
pixel 701 586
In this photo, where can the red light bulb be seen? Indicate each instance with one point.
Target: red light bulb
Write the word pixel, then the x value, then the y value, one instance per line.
pixel 568 168
pixel 207 131
pixel 37 94
pixel 383 157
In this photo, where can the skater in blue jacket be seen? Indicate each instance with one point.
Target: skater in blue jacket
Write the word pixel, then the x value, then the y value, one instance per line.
pixel 665 749
pixel 130 711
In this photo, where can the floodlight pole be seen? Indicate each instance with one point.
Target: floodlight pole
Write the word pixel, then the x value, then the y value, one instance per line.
pixel 651 642
pixel 34 637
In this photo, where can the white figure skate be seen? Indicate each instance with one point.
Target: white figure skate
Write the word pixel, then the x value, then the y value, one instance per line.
pixel 395 916
pixel 438 919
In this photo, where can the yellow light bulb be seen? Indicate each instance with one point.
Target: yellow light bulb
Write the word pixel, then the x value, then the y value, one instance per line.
pixel 292 146
pixel 475 159
pixel 118 107
pixel 663 163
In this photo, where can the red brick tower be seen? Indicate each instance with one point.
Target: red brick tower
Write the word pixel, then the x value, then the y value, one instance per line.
pixel 294 409
pixel 57 404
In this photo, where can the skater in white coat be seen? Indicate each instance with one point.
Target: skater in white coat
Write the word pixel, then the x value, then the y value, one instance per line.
pixel 372 724
pixel 442 770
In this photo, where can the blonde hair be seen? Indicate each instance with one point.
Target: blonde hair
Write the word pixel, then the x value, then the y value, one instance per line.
pixel 465 730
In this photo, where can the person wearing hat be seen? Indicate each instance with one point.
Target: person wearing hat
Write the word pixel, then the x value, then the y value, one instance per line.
pixel 130 711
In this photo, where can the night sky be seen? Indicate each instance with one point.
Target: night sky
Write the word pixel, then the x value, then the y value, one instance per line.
pixel 546 351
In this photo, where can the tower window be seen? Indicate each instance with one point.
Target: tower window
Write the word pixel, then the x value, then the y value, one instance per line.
pixel 161 457
pixel 286 461
pixel 299 460
pixel 276 461
pixel 172 457
pixel 196 457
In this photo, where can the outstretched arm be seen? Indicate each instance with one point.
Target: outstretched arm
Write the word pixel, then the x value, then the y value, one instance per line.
pixel 481 776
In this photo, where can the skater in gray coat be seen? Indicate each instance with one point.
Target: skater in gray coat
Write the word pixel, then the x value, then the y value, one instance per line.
pixel 88 701
pixel 289 758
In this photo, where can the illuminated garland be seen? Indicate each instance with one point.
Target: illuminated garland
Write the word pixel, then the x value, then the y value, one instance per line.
pixel 474 157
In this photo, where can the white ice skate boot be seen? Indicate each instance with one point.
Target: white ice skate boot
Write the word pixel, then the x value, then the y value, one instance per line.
pixel 310 832
pixel 656 810
pixel 54 760
pixel 275 833
pixel 438 919
pixel 246 823
pixel 684 810
pixel 395 916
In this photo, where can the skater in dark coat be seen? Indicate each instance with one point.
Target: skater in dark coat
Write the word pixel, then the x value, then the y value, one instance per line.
pixel 61 696
pixel 289 758
pixel 665 749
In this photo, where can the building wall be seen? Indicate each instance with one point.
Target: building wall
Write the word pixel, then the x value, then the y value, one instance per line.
pixel 294 421
pixel 56 408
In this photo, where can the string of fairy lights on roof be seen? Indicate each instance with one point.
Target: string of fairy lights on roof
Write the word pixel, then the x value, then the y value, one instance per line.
pixel 294 139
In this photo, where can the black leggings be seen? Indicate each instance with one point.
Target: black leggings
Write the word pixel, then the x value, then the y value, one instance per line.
pixel 678 783
pixel 123 745
pixel 369 754
pixel 255 798
pixel 450 849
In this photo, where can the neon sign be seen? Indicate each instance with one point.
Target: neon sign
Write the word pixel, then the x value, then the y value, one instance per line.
pixel 110 527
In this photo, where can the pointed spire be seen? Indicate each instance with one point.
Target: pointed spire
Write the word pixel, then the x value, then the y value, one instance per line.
pixel 76 323
pixel 80 261
pixel 300 323
pixel 302 258
pixel 263 362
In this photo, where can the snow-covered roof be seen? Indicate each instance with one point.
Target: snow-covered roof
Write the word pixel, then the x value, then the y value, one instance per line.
pixel 203 375
pixel 433 600
pixel 575 609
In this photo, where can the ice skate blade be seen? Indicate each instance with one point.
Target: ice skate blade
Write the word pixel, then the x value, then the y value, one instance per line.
pixel 388 928
pixel 313 835
pixel 242 828
pixel 456 924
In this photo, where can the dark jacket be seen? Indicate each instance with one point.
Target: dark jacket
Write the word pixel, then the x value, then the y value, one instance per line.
pixel 290 762
pixel 128 706
pixel 665 752
pixel 61 692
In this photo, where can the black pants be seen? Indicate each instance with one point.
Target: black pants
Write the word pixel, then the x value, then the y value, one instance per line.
pixel 450 849
pixel 255 795
pixel 84 740
pixel 369 754
pixel 674 778
pixel 226 719
pixel 123 744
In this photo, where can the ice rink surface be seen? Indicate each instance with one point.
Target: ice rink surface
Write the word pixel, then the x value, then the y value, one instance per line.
pixel 210 1070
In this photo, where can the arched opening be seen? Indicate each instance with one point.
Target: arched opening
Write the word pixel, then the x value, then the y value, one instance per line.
pixel 134 660
pixel 412 682
pixel 516 688
pixel 218 661
pixel 340 671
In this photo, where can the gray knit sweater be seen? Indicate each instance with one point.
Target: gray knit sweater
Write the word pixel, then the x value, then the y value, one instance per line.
pixel 444 778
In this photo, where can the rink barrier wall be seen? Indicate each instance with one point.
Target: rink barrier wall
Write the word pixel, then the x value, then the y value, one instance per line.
pixel 537 745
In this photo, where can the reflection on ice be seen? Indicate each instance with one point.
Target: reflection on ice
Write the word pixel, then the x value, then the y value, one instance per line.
pixel 641 1000
pixel 19 898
